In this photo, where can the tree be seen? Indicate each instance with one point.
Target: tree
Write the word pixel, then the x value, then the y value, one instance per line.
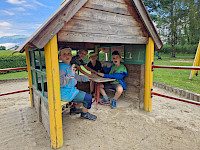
pixel 177 21
pixel 2 48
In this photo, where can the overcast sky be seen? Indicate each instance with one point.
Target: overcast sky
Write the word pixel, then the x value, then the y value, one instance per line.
pixel 23 17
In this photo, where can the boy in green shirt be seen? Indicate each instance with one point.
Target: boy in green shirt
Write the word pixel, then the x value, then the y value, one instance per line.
pixel 117 71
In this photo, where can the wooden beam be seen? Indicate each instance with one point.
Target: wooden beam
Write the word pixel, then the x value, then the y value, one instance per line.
pixel 94 27
pixel 60 19
pixel 118 7
pixel 53 82
pixel 105 17
pixel 29 74
pixel 99 38
pixel 148 75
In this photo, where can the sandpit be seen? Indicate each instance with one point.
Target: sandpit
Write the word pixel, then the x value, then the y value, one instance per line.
pixel 170 125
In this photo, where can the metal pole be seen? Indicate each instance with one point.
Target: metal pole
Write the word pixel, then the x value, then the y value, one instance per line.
pixel 12 69
pixel 14 92
pixel 176 98
pixel 177 67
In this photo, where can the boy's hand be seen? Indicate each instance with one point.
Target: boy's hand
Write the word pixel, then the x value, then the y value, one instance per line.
pixel 73 68
pixel 103 63
pixel 101 74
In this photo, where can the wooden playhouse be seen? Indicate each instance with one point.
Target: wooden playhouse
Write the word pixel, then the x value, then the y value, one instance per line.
pixel 99 25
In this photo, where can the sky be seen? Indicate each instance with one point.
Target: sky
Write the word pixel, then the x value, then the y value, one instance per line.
pixel 23 17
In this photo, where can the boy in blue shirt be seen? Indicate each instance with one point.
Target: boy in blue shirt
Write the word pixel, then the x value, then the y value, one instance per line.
pixel 69 92
pixel 117 71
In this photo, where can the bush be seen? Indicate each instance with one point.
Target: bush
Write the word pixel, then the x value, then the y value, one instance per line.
pixel 12 61
pixel 183 49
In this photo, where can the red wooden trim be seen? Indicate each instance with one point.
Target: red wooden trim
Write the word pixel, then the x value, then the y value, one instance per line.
pixel 176 98
pixel 177 67
pixel 14 92
pixel 12 69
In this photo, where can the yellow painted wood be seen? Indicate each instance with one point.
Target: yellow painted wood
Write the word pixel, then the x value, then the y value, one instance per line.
pixel 56 86
pixel 196 62
pixel 29 73
pixel 148 75
pixel 55 115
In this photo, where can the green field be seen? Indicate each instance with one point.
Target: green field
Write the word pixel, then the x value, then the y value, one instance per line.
pixel 176 77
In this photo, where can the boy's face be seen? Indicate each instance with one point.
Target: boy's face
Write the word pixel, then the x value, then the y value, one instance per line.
pixel 93 58
pixel 116 59
pixel 82 54
pixel 66 56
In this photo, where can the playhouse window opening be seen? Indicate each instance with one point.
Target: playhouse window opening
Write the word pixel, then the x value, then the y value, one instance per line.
pixel 38 71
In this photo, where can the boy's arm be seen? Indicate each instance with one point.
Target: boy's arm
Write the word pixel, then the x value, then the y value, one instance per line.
pixel 83 72
pixel 81 78
pixel 90 69
pixel 116 75
pixel 64 79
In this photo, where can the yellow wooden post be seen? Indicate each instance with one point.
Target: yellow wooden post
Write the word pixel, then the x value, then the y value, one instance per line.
pixel 148 75
pixel 29 73
pixel 196 61
pixel 53 82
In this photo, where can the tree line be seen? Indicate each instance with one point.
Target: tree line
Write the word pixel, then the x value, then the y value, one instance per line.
pixel 177 21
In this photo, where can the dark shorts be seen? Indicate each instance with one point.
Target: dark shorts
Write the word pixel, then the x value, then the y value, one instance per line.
pixel 84 98
pixel 107 85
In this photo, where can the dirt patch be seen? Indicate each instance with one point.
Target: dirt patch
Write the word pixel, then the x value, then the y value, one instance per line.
pixel 170 125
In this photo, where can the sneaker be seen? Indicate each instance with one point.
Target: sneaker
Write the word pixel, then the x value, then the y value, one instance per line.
pixel 88 116
pixel 74 110
pixel 105 101
pixel 113 103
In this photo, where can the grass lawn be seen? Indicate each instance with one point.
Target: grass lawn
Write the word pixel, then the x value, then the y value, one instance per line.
pixel 15 75
pixel 176 77
pixel 9 53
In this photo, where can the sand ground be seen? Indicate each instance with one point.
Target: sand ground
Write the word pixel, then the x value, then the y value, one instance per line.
pixel 171 125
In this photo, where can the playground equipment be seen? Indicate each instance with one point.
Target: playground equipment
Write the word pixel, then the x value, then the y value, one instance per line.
pixel 89 24
pixel 196 62
pixel 171 97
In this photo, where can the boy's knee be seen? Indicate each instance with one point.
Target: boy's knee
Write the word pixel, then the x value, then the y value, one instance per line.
pixel 119 89
pixel 101 86
pixel 88 100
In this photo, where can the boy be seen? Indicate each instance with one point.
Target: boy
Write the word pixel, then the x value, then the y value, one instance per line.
pixel 116 71
pixel 78 61
pixel 95 65
pixel 69 92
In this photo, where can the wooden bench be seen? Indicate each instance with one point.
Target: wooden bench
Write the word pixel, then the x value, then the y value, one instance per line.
pixel 65 105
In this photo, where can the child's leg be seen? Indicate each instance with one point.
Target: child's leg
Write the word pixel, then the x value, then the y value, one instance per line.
pixel 86 102
pixel 102 91
pixel 91 86
pixel 105 99
pixel 118 92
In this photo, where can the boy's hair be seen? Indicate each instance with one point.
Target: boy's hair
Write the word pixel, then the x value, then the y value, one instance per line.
pixel 116 53
pixel 92 54
pixel 83 50
pixel 60 50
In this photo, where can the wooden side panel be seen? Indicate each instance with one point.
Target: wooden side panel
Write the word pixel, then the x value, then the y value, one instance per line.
pixel 105 21
pixel 133 82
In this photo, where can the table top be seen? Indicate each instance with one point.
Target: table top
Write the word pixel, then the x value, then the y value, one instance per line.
pixel 100 79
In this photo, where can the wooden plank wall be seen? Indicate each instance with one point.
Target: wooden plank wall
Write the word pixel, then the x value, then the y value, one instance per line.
pixel 135 84
pixel 42 110
pixel 105 21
